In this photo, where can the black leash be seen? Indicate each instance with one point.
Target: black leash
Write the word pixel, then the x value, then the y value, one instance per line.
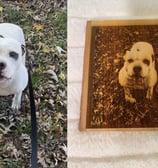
pixel 33 125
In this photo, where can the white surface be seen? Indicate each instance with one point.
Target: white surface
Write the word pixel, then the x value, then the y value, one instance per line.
pixel 76 32
pixel 112 8
pixel 75 64
pixel 143 161
pixel 104 149
pixel 104 144
pixel 74 100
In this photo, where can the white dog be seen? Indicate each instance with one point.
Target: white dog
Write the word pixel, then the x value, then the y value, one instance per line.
pixel 13 73
pixel 139 70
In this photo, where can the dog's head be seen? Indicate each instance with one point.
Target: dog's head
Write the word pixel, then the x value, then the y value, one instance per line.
pixel 11 53
pixel 139 60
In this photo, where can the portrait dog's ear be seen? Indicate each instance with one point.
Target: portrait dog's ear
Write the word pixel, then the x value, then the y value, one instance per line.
pixel 126 55
pixel 23 49
pixel 153 57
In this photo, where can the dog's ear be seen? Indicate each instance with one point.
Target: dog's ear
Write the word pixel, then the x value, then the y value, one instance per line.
pixel 153 54
pixel 126 55
pixel 23 48
pixel 153 57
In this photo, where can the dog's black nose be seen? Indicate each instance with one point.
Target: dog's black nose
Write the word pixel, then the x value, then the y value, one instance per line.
pixel 137 70
pixel 2 65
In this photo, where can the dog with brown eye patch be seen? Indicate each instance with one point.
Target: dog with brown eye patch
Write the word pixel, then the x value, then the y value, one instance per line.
pixel 13 73
pixel 138 71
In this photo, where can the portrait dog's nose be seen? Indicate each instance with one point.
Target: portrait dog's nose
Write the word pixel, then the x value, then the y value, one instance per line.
pixel 137 70
pixel 2 65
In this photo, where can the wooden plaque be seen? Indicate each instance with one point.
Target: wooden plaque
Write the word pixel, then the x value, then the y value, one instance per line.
pixel 103 102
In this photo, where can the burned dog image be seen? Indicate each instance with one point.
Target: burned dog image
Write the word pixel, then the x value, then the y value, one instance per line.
pixel 138 71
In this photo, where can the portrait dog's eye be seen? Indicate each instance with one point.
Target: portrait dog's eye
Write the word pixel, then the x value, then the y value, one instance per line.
pixel 13 55
pixel 130 60
pixel 1 36
pixel 147 62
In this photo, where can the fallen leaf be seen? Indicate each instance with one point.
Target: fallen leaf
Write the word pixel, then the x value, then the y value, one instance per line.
pixel 38 27
pixel 62 76
pixel 60 50
pixel 5 129
pixel 1 9
pixel 46 50
pixel 59 116
pixel 41 159
pixel 54 75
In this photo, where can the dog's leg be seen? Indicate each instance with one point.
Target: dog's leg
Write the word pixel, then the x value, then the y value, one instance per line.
pixel 16 101
pixel 128 96
pixel 149 94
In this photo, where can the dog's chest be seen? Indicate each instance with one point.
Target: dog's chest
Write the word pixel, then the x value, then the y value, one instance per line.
pixel 8 88
pixel 5 92
pixel 137 83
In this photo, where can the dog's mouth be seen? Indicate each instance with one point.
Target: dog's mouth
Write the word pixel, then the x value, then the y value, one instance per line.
pixel 137 76
pixel 136 83
pixel 2 77
pixel 136 79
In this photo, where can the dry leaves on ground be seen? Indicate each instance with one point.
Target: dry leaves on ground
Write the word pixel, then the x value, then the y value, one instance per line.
pixel 44 24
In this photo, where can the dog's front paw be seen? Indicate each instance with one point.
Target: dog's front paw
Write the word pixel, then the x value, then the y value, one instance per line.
pixel 16 103
pixel 149 94
pixel 128 96
pixel 130 99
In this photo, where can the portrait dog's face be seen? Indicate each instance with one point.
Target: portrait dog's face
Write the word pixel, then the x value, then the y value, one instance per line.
pixel 139 60
pixel 10 58
pixel 139 70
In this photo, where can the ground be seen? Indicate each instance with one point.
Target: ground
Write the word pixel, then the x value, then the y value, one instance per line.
pixel 107 105
pixel 44 25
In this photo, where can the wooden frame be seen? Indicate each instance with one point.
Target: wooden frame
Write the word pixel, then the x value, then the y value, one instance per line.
pixel 103 106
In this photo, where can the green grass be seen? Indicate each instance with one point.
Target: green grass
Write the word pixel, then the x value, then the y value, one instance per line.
pixel 37 79
pixel 24 128
pixel 18 16
pixel 6 163
pixel 61 22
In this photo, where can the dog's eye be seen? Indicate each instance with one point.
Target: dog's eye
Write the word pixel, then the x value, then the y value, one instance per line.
pixel 130 60
pixel 147 62
pixel 14 55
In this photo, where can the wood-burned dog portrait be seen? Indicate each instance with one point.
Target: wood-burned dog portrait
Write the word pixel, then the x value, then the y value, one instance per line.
pixel 120 76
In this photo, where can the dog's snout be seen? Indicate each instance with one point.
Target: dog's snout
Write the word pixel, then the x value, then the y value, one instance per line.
pixel 137 70
pixel 2 65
